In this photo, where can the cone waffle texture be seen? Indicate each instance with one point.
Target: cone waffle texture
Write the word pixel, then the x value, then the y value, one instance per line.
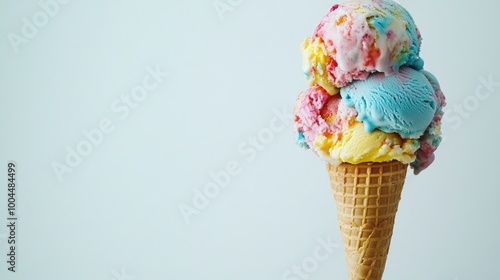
pixel 367 197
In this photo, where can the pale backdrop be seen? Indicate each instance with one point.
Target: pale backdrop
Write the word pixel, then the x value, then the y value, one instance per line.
pixel 173 94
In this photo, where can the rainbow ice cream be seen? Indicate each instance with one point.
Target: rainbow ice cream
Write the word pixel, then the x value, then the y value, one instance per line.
pixel 371 110
pixel 370 99
pixel 358 38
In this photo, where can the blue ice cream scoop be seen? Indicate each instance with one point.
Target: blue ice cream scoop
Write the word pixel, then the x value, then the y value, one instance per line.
pixel 404 103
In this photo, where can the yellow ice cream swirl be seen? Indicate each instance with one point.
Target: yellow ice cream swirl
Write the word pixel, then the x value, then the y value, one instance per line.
pixel 314 63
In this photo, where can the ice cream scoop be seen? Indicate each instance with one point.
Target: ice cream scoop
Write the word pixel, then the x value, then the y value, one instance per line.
pixel 404 103
pixel 331 129
pixel 357 38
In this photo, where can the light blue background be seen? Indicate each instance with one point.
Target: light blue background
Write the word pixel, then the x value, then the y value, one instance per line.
pixel 116 216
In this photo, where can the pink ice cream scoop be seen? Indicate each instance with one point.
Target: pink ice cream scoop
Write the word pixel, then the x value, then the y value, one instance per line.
pixel 357 38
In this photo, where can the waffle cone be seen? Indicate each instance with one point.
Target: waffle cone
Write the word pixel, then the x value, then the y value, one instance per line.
pixel 367 197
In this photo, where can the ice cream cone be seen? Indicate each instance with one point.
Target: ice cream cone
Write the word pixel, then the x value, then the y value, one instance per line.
pixel 367 197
